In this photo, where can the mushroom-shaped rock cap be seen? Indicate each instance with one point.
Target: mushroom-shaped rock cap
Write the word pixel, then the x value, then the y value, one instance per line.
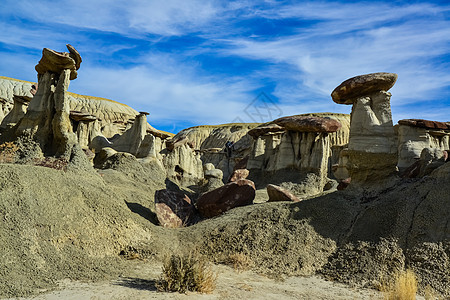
pixel 56 62
pixel 264 129
pixel 75 55
pixel 308 124
pixel 351 89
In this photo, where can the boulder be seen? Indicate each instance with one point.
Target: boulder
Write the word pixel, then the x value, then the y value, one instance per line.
pixel 231 195
pixel 239 174
pixel 424 124
pixel 351 89
pixel 214 173
pixel 173 209
pixel 277 193
pixel 265 129
pixel 208 166
pixel 308 124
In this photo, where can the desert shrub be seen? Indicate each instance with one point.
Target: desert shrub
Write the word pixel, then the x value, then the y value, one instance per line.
pixel 8 152
pixel 402 287
pixel 182 273
pixel 239 261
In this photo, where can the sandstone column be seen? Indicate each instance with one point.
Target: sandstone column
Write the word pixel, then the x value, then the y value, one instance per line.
pixel 372 147
pixel 47 118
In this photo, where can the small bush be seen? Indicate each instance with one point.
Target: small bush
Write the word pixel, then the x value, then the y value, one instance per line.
pixel 403 287
pixel 186 273
pixel 239 261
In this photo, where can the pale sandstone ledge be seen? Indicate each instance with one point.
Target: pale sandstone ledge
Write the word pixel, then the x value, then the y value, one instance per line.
pixel 104 109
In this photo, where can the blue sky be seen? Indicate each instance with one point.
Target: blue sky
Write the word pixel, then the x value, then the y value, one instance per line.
pixel 210 62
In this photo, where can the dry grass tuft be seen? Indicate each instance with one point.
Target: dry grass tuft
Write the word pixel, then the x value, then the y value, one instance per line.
pixel 403 287
pixel 187 273
pixel 239 261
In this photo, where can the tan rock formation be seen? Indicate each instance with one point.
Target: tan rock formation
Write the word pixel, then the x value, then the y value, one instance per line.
pixel 210 140
pixel 110 114
pixel 47 118
pixel 414 135
pixel 183 165
pixel 295 154
pixel 17 113
pixel 372 148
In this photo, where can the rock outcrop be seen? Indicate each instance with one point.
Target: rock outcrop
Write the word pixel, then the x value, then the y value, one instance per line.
pixel 231 195
pixel 372 147
pixel 414 135
pixel 173 209
pixel 209 141
pixel 47 118
pixel 309 145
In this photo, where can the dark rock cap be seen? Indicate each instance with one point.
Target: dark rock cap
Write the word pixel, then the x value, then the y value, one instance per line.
pixel 308 124
pixel 56 62
pixel 425 123
pixel 351 89
pixel 261 130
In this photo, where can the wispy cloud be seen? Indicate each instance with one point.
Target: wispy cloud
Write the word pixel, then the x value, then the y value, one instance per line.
pixel 204 61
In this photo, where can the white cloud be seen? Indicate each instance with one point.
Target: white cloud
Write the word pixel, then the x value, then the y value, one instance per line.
pixel 168 90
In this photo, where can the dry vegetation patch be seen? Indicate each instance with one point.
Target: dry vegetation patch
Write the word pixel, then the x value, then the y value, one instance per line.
pixel 402 287
pixel 182 273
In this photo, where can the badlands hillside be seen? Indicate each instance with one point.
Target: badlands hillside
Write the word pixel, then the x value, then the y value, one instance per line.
pixel 87 183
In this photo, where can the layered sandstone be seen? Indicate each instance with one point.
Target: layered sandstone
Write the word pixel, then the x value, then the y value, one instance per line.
pixel 372 148
pixel 414 135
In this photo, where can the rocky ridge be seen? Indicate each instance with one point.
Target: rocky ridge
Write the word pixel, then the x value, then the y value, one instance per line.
pixel 144 178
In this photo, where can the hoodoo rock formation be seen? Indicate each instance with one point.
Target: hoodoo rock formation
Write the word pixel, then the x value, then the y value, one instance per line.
pixel 372 146
pixel 414 135
pixel 47 118
pixel 301 153
pixel 63 218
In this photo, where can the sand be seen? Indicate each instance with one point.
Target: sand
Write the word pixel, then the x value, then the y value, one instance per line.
pixel 139 284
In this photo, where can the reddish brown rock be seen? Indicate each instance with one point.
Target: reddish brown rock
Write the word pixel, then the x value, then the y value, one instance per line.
pixel 261 130
pixel 231 195
pixel 344 184
pixel 277 193
pixel 351 89
pixel 239 174
pixel 424 123
pixel 241 163
pixel 173 209
pixel 308 124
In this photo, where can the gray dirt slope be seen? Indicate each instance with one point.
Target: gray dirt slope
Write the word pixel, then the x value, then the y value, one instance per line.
pixel 74 224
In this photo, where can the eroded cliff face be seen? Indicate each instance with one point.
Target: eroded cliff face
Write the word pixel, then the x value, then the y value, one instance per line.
pixel 416 135
pixel 208 143
pixel 300 155
pixel 112 116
